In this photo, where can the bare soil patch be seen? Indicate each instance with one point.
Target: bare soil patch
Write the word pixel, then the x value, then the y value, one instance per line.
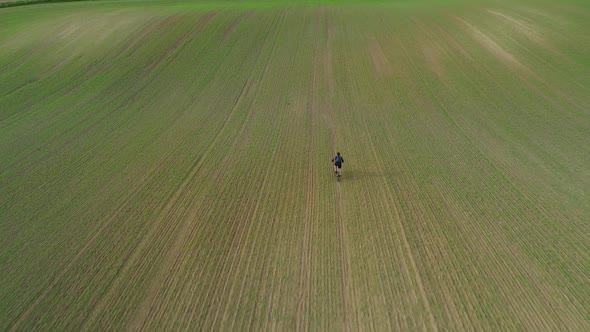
pixel 492 46
pixel 433 58
pixel 382 65
pixel 432 51
pixel 521 27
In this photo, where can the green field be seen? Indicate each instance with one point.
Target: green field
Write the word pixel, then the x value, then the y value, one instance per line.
pixel 166 165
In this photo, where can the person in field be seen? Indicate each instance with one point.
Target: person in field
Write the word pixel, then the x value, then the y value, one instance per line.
pixel 338 161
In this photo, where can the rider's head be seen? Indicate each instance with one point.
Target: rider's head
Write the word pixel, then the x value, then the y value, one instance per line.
pixel 337 153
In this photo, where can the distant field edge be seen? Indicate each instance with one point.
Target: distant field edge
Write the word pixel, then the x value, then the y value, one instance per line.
pixel 30 2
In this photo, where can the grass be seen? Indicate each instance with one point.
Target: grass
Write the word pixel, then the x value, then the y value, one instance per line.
pixel 165 165
pixel 10 3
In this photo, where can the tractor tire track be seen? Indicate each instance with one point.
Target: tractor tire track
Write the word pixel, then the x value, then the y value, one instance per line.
pixel 249 92
pixel 73 85
pixel 139 36
pixel 346 280
pixel 551 87
pixel 151 75
pixel 173 202
pixel 28 55
pixel 260 199
pixel 511 94
pixel 456 126
pixel 238 241
pixel 305 268
pixel 345 271
pixel 151 293
pixel 101 229
pixel 269 291
pixel 172 53
pixel 84 249
pixel 392 198
pixel 133 257
pixel 232 27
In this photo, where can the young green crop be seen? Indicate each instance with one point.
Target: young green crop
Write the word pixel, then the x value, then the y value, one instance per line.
pixel 166 165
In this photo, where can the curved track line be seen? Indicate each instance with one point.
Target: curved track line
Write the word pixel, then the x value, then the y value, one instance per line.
pixel 263 186
pixel 102 228
pixel 143 310
pixel 404 238
pixel 76 258
pixel 133 257
pixel 171 52
pixel 233 26
pixel 248 92
pixel 497 83
pixel 239 240
pixel 31 53
pixel 85 75
pixel 152 72
pixel 405 242
pixel 507 174
pixel 182 233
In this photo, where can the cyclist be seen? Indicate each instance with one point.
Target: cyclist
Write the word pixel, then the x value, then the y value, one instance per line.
pixel 338 161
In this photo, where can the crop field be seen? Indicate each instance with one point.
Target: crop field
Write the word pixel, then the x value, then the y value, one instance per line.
pixel 165 165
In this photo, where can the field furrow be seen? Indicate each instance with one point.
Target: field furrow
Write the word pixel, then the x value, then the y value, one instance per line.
pixel 165 165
